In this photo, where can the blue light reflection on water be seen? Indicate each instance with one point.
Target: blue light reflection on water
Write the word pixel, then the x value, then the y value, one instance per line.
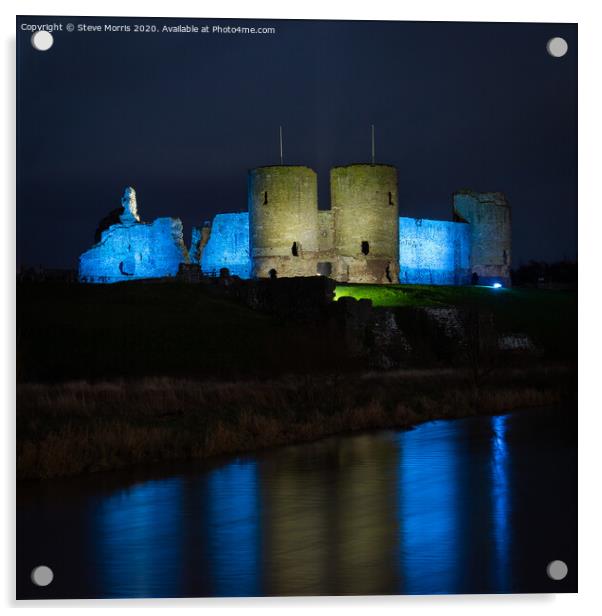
pixel 500 496
pixel 454 484
pixel 234 531
pixel 141 529
pixel 428 509
pixel 450 506
pixel 139 542
pixel 146 543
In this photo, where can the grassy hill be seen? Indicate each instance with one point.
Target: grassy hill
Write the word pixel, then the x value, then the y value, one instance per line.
pixel 549 317
pixel 137 329
pixel 134 330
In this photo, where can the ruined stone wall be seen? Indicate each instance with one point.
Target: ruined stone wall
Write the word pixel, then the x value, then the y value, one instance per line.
pixel 131 249
pixel 227 246
pixel 135 251
pixel 489 216
pixel 283 216
pixel 365 208
pixel 198 239
pixel 434 252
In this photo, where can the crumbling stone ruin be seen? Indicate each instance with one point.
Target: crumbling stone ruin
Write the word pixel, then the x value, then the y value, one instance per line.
pixel 283 234
pixel 489 221
pixel 129 249
pixel 226 245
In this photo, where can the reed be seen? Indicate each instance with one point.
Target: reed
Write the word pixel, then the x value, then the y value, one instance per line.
pixel 81 427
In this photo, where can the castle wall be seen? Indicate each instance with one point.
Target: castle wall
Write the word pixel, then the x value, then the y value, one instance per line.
pixel 365 208
pixel 434 252
pixel 325 231
pixel 327 259
pixel 489 216
pixel 360 239
pixel 134 251
pixel 228 246
pixel 283 215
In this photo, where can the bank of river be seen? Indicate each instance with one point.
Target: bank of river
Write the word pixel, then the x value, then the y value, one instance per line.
pixel 480 504
pixel 81 427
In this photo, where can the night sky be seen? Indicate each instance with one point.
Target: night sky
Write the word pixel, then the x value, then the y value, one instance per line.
pixel 182 117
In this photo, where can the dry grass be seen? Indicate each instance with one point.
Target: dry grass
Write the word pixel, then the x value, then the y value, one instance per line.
pixel 80 427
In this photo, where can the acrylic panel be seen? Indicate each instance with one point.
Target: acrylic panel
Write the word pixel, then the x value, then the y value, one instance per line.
pixel 296 307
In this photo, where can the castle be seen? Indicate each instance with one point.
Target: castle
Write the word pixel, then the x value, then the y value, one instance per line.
pixel 361 238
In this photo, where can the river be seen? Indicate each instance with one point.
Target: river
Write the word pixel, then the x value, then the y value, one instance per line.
pixel 477 505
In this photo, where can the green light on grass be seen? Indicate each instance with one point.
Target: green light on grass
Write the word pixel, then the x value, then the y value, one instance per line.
pixel 381 295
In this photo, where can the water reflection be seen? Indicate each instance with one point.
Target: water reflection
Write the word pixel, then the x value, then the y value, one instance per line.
pixel 139 541
pixel 500 496
pixel 459 506
pixel 234 535
pixel 296 503
pixel 429 538
pixel 366 524
pixel 331 526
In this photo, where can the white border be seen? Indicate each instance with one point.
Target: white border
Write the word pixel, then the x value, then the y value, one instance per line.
pixel 590 219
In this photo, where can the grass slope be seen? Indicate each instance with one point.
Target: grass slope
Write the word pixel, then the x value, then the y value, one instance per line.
pixel 135 330
pixel 549 317
pixel 138 330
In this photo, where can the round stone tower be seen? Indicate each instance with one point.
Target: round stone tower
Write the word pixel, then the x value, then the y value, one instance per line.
pixel 366 218
pixel 490 223
pixel 283 221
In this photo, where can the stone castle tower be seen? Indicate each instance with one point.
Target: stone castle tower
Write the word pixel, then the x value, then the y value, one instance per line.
pixel 357 240
pixel 283 221
pixel 366 223
pixel 490 224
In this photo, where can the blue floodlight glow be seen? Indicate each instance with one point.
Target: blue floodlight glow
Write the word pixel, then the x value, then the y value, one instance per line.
pixel 228 246
pixel 433 252
pixel 135 251
pixel 497 285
